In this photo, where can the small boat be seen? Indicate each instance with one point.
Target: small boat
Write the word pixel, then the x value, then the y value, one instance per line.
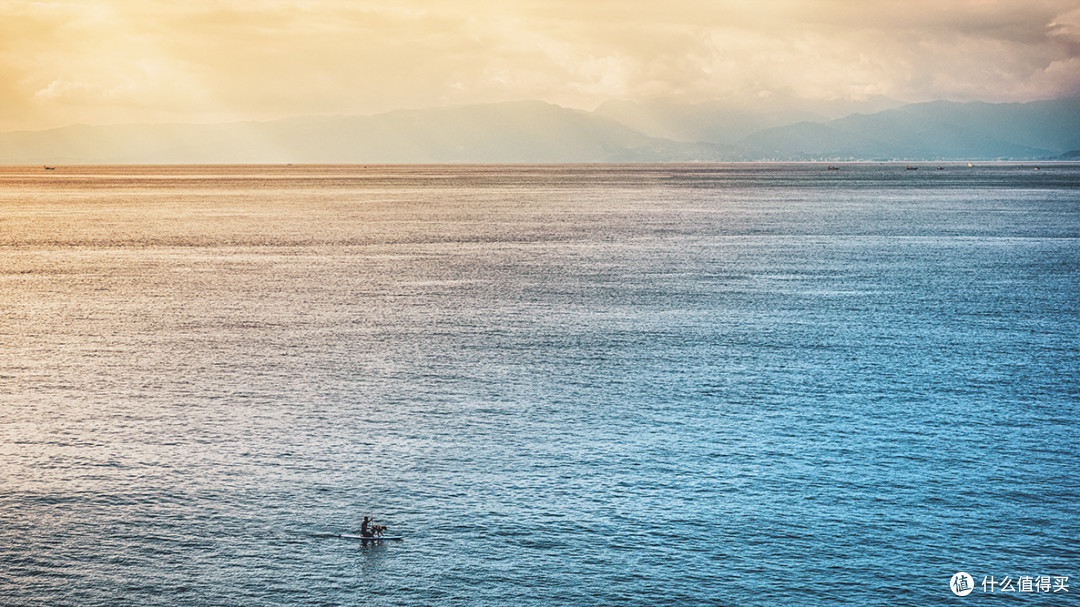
pixel 49 168
pixel 911 168
pixel 832 168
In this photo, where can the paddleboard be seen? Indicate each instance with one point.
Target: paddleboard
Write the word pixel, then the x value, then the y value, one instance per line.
pixel 371 539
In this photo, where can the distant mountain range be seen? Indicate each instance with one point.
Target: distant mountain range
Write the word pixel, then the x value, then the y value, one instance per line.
pixel 533 131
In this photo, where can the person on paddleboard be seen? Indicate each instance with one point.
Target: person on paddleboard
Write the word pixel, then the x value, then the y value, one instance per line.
pixel 365 529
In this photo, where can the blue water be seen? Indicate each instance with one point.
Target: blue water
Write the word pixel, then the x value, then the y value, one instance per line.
pixel 564 385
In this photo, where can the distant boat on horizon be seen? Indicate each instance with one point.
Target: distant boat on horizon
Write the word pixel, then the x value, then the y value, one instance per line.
pixel 49 168
pixel 911 168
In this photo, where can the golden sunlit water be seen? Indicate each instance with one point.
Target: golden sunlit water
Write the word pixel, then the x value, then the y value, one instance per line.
pixel 747 384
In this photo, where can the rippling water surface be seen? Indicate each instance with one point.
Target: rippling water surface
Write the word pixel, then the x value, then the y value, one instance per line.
pixel 575 385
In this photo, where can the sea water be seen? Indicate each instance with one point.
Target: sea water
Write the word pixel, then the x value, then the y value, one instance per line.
pixel 564 385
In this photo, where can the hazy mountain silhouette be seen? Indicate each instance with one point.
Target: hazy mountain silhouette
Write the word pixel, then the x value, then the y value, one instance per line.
pixel 507 132
pixel 698 122
pixel 534 131
pixel 529 131
pixel 721 123
pixel 936 130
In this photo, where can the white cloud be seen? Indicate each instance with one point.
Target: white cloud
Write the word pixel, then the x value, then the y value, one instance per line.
pixel 121 60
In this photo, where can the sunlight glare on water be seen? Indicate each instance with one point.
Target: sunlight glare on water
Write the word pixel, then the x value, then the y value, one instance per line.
pixel 582 385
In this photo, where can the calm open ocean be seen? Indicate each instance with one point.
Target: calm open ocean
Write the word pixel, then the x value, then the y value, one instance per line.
pixel 635 385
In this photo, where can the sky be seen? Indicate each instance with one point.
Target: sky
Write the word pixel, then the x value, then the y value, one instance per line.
pixel 124 61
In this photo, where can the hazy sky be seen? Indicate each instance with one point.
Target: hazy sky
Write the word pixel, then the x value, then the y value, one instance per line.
pixel 205 60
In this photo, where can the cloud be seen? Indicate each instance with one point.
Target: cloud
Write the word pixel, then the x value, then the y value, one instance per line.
pixel 124 60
